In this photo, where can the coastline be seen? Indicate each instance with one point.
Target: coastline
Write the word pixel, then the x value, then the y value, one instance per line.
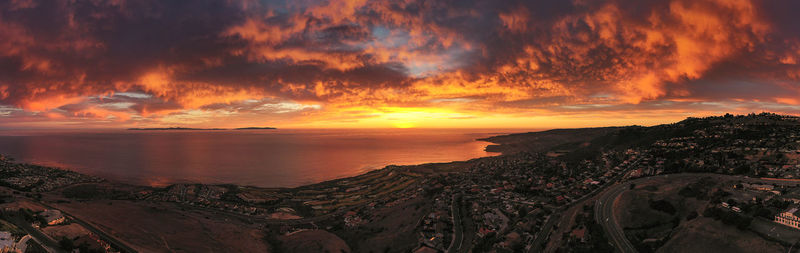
pixel 383 196
pixel 284 158
pixel 502 145
pixel 79 194
pixel 400 177
pixel 432 166
pixel 526 188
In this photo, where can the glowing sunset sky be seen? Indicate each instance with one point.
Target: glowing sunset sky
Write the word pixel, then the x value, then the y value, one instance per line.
pixel 406 63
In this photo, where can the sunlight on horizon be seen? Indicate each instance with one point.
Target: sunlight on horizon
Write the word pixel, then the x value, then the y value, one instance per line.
pixel 404 125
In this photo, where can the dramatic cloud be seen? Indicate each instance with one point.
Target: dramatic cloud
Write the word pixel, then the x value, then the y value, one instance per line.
pixel 363 63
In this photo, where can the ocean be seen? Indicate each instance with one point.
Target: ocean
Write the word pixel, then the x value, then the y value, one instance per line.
pixel 264 158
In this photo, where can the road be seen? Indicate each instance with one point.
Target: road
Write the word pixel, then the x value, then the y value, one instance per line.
pixel 604 207
pixel 47 243
pixel 117 244
pixel 555 217
pixel 469 229
pixel 548 226
pixel 604 215
pixel 458 227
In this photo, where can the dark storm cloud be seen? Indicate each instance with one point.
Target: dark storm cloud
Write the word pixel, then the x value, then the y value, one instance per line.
pixel 62 54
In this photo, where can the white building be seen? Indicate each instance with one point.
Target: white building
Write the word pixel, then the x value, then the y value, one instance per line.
pixel 6 241
pixel 52 216
pixel 790 218
pixel 8 245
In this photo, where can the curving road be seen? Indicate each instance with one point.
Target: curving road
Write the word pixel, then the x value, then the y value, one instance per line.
pixel 551 221
pixel 604 215
pixel 604 206
pixel 458 228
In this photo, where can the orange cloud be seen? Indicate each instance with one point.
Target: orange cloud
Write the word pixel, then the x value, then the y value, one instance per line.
pixel 49 102
pixel 349 60
pixel 103 114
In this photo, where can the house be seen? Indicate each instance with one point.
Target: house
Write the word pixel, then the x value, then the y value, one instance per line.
pixel 579 233
pixel 790 218
pixel 482 231
pixel 353 221
pixel 759 187
pixel 52 217
pixel 7 243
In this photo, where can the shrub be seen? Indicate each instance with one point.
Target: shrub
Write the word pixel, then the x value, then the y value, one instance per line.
pixel 663 206
pixel 691 215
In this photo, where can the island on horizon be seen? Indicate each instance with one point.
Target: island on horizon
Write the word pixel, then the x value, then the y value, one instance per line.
pixel 192 128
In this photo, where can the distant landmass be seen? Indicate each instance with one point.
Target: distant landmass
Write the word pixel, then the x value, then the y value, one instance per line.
pixel 191 128
pixel 254 128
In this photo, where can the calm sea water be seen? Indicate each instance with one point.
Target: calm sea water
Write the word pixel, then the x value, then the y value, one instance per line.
pixel 267 158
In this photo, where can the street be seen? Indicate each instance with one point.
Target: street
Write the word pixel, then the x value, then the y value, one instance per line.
pixel 604 207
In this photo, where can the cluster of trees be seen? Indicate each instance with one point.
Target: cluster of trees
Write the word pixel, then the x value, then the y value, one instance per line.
pixel 486 243
pixel 25 213
pixel 699 189
pixel 730 218
pixel 663 206
pixel 691 215
pixel 69 245
pixel 594 238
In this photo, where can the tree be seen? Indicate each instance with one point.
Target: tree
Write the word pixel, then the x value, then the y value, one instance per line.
pixel 764 212
pixel 688 192
pixel 663 205
pixel 66 243
pixel 691 215
pixel 743 222
pixel 711 212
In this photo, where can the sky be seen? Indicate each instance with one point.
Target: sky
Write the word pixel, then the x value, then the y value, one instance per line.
pixel 404 63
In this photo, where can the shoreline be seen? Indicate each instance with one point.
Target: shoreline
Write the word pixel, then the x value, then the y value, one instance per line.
pixel 295 172
pixel 6 158
pixel 387 186
pixel 403 205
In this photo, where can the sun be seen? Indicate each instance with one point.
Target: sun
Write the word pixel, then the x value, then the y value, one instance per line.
pixel 403 125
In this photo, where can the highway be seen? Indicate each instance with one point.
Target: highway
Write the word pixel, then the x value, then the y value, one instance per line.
pixel 117 244
pixel 548 226
pixel 458 227
pixel 604 207
pixel 555 217
pixel 47 243
pixel 604 215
